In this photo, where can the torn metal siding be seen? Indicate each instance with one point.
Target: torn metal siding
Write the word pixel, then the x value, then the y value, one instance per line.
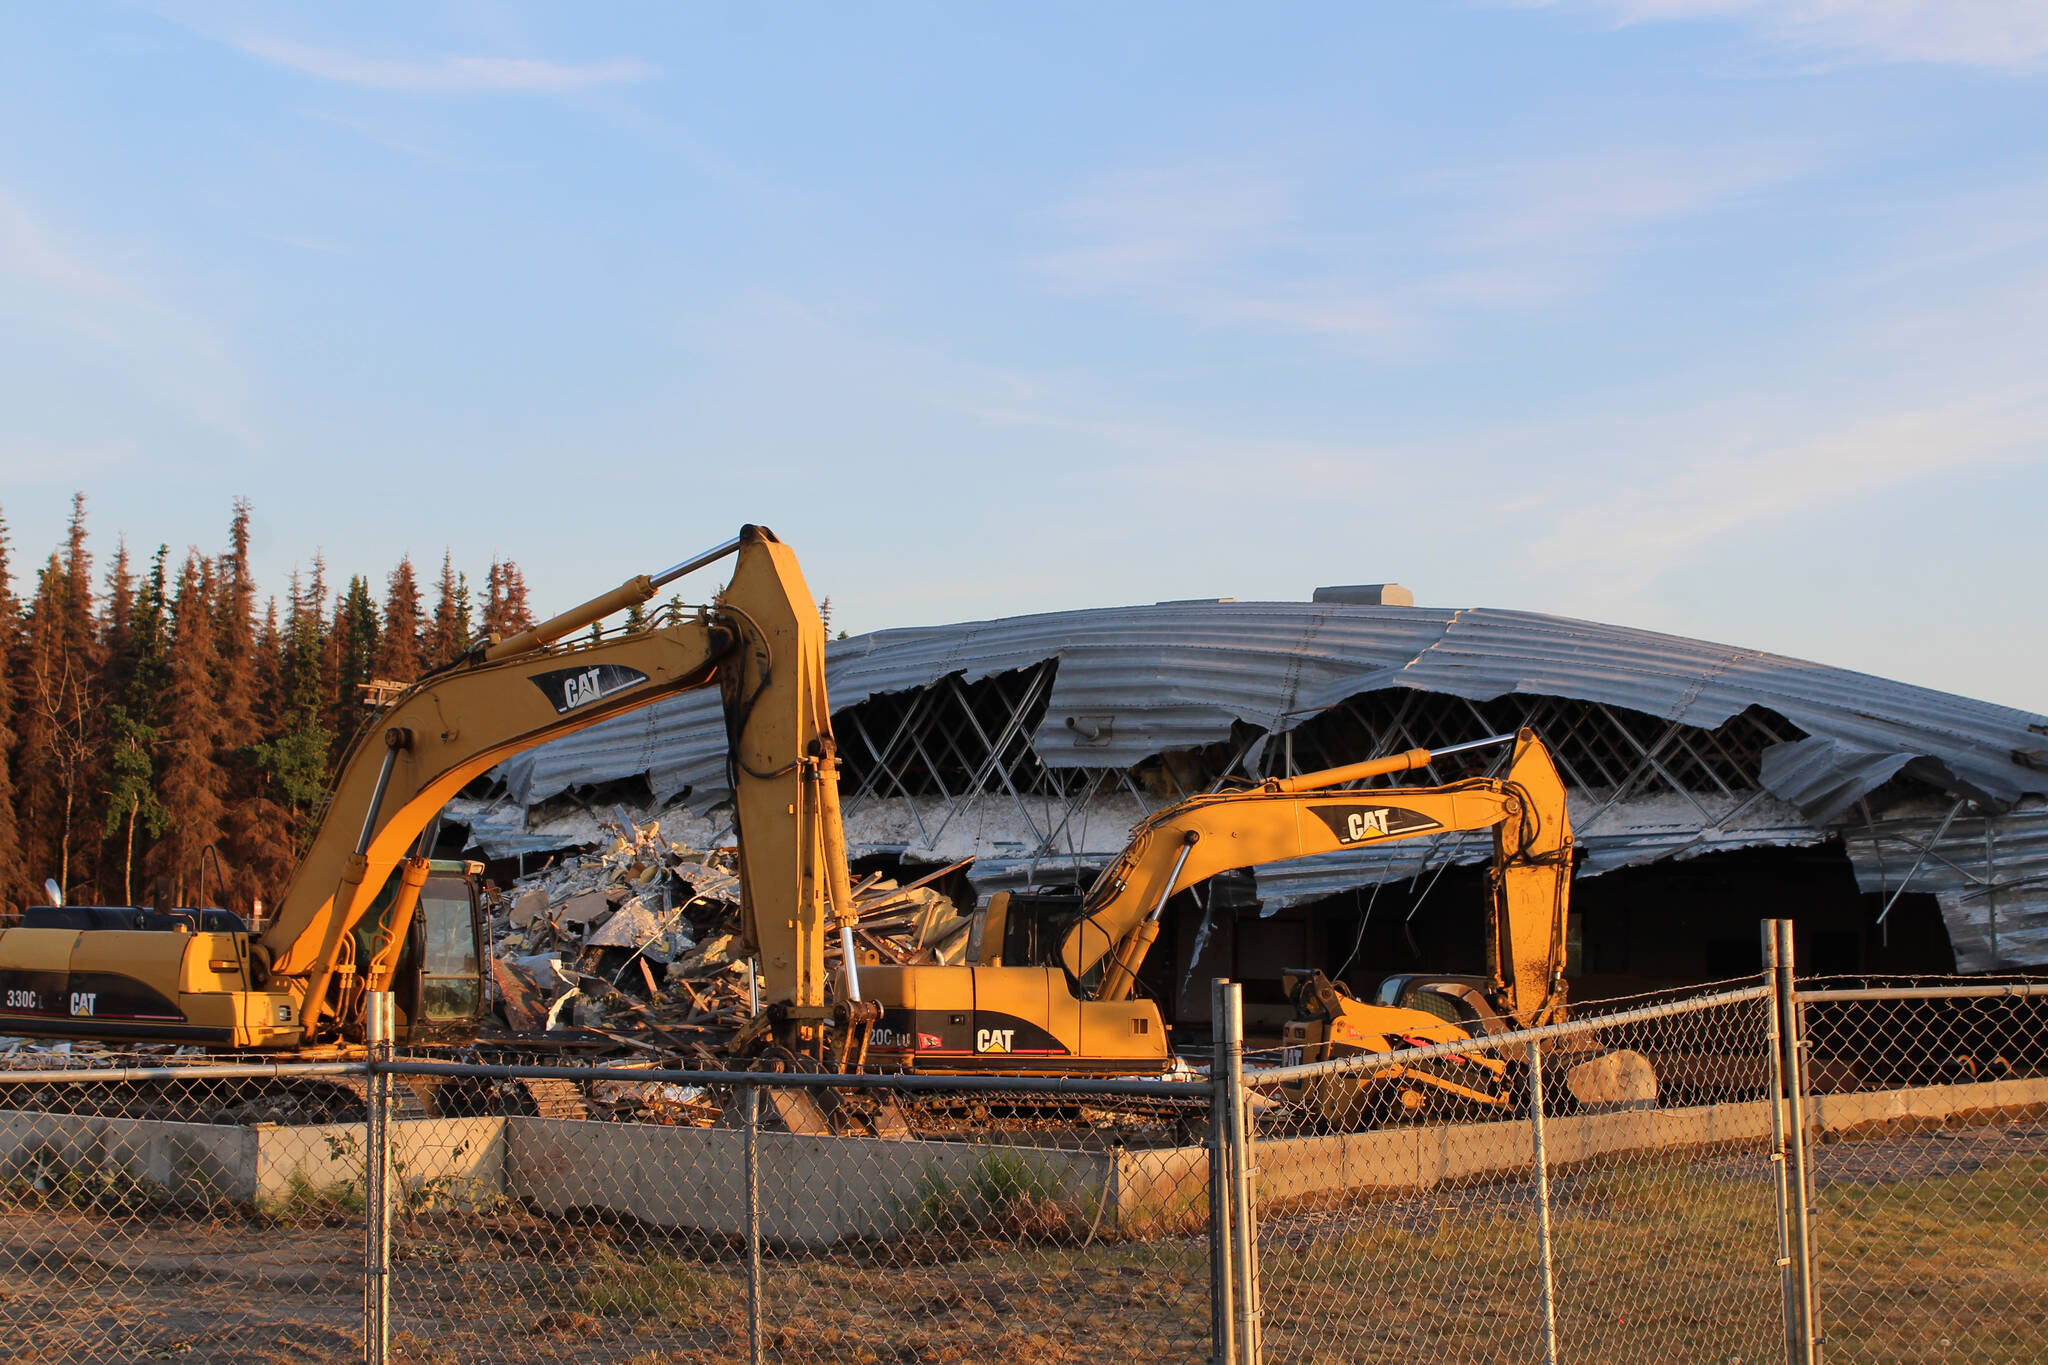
pixel 1989 874
pixel 1178 675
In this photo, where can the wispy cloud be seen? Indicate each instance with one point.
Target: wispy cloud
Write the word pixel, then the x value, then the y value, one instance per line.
pixel 2002 34
pixel 1665 516
pixel 446 75
pixel 1227 246
pixel 54 286
pixel 1198 241
pixel 31 460
pixel 1597 200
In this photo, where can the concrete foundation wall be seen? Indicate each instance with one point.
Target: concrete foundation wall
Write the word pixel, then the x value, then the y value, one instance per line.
pixel 264 1161
pixel 1397 1160
pixel 817 1190
pixel 195 1161
pixel 1846 1113
pixel 433 1160
pixel 814 1190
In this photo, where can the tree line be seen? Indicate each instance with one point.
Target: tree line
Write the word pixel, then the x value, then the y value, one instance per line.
pixel 156 718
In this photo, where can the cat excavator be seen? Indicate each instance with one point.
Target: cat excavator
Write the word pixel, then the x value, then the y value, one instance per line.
pixel 366 911
pixel 1031 1018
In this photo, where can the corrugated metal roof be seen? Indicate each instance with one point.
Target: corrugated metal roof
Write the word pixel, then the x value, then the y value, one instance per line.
pixel 1177 675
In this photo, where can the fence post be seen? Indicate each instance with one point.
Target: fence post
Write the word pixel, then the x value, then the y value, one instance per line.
pixel 1774 1055
pixel 1222 1247
pixel 753 1150
pixel 1244 1234
pixel 378 1020
pixel 1547 1284
pixel 1803 1349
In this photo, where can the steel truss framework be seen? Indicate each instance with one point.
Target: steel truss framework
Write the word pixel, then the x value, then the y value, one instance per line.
pixel 939 747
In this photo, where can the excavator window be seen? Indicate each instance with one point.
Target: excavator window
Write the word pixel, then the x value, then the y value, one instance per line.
pixel 1036 925
pixel 450 981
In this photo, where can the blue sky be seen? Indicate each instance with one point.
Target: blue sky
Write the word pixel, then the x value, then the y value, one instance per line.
pixel 1721 317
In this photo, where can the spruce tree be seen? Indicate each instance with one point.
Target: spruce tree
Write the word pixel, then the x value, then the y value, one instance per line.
pixel 239 668
pixel 465 614
pixel 398 653
pixel 355 648
pixel 115 645
pixel 193 782
pixel 505 610
pixel 13 879
pixel 490 624
pixel 138 676
pixel 448 632
pixel 518 615
pixel 235 633
pixel 60 715
pixel 295 762
pixel 269 697
pixel 252 826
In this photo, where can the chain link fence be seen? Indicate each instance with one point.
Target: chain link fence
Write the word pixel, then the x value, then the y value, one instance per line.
pixel 153 1208
pixel 810 1218
pixel 1528 1198
pixel 1929 1181
pixel 1848 1171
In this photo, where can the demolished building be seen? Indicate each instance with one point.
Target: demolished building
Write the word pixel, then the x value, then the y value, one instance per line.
pixel 1905 829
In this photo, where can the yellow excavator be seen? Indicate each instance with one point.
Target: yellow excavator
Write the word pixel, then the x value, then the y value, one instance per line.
pixel 366 911
pixel 1031 1018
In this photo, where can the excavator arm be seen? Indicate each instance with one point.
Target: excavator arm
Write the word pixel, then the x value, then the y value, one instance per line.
pixel 1286 818
pixel 762 644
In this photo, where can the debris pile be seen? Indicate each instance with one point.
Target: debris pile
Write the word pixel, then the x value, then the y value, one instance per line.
pixel 637 945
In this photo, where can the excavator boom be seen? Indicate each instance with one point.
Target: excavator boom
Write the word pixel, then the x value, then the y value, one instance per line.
pixel 1299 817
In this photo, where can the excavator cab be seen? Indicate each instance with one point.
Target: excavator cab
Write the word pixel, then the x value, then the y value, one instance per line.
pixel 439 983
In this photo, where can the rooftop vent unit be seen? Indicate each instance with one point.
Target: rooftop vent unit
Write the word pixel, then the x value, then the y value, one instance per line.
pixel 1367 595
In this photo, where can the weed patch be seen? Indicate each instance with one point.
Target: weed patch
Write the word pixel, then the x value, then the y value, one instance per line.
pixel 675 1292
pixel 1006 1195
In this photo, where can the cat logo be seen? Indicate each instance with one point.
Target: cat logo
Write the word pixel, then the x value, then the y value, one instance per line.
pixel 580 689
pixel 1357 824
pixel 993 1039
pixel 1360 824
pixel 83 1003
pixel 572 688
